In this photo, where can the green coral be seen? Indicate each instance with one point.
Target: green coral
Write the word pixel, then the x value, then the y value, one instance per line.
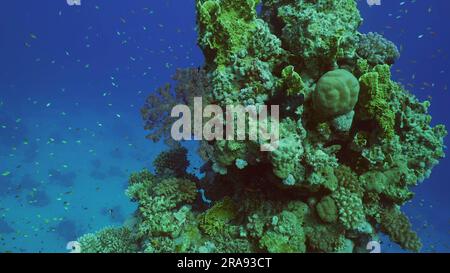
pixel 242 50
pixel 285 233
pixel 325 238
pixel 322 31
pixel 377 86
pixel 323 176
pixel 285 236
pixel 324 131
pixel 327 210
pixel 225 26
pixel 321 163
pixel 292 81
pixel 157 216
pixel 177 189
pixel 139 185
pixel 398 227
pixel 350 207
pixel 109 240
pixel 336 93
pixel 286 159
pixel 217 218
pixel 230 151
pixel 359 141
pixel 348 179
pixel 143 185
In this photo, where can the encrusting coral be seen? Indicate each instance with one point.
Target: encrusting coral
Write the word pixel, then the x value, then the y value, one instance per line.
pixel 353 142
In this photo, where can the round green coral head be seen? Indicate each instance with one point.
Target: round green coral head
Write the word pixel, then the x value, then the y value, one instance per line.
pixel 336 93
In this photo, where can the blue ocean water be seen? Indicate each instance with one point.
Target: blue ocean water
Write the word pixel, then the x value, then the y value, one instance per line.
pixel 72 81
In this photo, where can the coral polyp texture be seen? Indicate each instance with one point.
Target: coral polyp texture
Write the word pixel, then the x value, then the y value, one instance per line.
pixel 336 93
pixel 353 142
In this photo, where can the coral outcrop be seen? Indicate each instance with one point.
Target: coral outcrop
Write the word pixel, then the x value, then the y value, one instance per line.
pixel 353 142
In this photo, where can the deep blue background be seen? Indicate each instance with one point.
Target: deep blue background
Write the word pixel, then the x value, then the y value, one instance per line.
pixel 72 80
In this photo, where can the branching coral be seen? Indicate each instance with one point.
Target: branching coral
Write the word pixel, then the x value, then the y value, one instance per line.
pixel 177 189
pixel 109 240
pixel 286 159
pixel 376 49
pixel 397 226
pixel 350 207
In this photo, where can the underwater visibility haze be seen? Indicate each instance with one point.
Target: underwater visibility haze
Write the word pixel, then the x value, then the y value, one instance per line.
pixel 355 159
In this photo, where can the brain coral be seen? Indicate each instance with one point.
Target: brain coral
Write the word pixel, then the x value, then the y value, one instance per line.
pixel 336 93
